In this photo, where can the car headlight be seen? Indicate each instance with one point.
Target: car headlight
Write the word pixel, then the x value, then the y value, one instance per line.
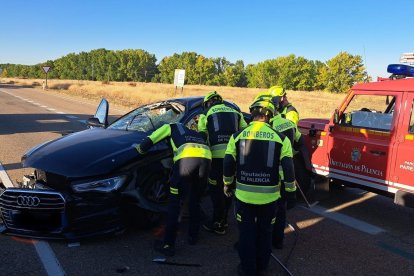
pixel 102 185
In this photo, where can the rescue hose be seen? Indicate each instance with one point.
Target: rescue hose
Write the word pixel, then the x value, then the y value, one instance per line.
pixel 281 264
pixel 296 233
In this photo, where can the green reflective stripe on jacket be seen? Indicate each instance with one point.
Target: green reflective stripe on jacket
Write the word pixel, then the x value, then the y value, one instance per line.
pixel 273 221
pixel 228 180
pixel 192 150
pixel 257 189
pixel 257 194
pixel 212 181
pixel 238 217
pixel 290 187
pixel 218 151
pixel 174 191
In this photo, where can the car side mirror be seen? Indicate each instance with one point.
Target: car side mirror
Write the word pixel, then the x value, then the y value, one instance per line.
pixel 94 122
pixel 336 117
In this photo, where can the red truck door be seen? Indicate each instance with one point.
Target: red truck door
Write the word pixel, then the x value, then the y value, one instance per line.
pixel 360 145
pixel 402 171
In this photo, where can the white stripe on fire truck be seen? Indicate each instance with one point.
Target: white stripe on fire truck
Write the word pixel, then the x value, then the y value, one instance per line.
pixel 381 181
pixel 326 171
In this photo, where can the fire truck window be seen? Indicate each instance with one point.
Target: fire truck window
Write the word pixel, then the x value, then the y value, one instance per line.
pixel 411 128
pixel 369 111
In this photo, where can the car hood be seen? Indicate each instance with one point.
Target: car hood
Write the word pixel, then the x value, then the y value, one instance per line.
pixel 87 153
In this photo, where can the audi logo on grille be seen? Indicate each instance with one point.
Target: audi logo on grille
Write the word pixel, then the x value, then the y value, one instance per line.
pixel 28 201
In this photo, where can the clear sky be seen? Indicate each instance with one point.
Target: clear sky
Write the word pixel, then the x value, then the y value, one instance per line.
pixel 380 31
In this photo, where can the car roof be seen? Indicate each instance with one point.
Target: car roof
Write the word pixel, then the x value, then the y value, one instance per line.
pixel 401 85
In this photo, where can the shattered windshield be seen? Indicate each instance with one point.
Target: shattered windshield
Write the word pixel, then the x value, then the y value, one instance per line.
pixel 150 117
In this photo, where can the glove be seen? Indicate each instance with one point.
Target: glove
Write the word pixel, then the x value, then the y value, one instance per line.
pixel 228 190
pixel 290 199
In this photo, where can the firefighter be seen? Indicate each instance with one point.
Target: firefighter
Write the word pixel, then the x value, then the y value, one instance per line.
pixel 285 107
pixel 218 123
pixel 252 161
pixel 290 130
pixel 192 160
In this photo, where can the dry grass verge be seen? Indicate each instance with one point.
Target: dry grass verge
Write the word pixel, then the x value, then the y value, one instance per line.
pixel 316 104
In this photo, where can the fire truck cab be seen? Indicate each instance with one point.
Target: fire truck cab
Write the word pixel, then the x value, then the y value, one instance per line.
pixel 369 140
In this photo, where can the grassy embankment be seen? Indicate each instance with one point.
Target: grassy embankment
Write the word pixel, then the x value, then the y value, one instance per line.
pixel 317 104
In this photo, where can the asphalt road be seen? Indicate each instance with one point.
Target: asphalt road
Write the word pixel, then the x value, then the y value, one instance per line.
pixel 350 233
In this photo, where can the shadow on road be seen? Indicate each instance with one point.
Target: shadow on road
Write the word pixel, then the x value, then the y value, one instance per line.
pixel 33 123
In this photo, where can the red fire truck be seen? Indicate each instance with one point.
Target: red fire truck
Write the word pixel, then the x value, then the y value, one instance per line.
pixel 369 141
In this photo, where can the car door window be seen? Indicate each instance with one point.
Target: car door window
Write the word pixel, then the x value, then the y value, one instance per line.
pixel 369 111
pixel 150 117
pixel 411 128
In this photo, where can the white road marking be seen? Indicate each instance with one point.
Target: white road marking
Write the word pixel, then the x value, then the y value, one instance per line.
pixel 45 253
pixel 48 259
pixel 347 220
pixel 5 178
pixel 60 112
pixel 71 117
pixel 44 106
pixel 51 109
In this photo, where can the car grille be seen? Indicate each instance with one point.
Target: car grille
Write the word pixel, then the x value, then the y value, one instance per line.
pixel 32 210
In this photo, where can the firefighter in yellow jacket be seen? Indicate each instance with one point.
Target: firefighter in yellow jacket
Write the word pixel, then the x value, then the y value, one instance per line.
pixel 218 123
pixel 192 159
pixel 285 107
pixel 252 161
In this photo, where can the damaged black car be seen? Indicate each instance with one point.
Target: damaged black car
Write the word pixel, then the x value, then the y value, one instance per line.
pixel 93 182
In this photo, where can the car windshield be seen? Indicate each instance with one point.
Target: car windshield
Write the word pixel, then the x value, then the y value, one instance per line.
pixel 150 117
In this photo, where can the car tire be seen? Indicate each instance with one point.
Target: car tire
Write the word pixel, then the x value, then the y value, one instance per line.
pixel 155 189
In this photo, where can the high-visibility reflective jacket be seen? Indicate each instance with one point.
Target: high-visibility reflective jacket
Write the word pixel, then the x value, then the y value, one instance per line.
pixel 184 141
pixel 287 127
pixel 290 113
pixel 219 123
pixel 253 156
pixel 291 130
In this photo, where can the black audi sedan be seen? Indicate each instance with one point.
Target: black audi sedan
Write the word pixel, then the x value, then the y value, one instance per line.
pixel 93 182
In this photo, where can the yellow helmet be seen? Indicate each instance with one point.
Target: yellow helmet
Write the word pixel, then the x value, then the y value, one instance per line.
pixel 263 96
pixel 270 96
pixel 264 107
pixel 210 96
pixel 277 91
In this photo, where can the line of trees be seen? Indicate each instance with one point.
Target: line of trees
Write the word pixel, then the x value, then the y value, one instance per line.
pixel 292 72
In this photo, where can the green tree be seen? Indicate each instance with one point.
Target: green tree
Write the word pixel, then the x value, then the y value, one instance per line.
pixel 343 71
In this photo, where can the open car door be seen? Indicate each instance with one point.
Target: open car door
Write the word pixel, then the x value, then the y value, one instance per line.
pixel 100 119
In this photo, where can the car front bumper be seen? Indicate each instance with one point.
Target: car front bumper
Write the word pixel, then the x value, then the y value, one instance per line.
pixel 49 214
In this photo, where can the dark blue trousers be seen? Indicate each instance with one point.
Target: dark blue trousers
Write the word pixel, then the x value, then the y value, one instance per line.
pixel 189 177
pixel 255 235
pixel 221 203
pixel 280 224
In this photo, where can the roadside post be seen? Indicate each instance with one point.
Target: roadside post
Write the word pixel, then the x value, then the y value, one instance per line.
pixel 179 76
pixel 1 71
pixel 46 70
